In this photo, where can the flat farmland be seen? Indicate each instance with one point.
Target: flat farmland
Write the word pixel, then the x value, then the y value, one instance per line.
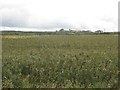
pixel 60 61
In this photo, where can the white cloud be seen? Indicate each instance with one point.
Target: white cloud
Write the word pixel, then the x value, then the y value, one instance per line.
pixel 52 14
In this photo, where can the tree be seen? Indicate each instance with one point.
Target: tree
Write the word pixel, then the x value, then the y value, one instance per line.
pixel 99 31
pixel 61 30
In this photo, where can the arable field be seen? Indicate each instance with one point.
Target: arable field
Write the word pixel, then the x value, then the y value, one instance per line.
pixel 60 61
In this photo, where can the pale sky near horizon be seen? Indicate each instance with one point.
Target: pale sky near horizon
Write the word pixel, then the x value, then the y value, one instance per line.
pixel 55 14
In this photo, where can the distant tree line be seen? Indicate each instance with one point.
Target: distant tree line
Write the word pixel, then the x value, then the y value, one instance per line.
pixel 60 32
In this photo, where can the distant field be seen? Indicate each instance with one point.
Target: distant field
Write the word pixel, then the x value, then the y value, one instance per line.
pixel 60 61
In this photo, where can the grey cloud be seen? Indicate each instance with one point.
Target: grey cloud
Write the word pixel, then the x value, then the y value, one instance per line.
pixel 13 16
pixel 56 24
pixel 109 20
pixel 13 22
pixel 17 16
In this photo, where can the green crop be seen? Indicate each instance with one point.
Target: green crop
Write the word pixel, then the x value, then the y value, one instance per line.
pixel 60 61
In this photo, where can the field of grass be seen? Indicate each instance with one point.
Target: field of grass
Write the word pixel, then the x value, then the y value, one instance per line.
pixel 60 61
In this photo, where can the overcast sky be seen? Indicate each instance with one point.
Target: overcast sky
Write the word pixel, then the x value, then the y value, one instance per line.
pixel 56 14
